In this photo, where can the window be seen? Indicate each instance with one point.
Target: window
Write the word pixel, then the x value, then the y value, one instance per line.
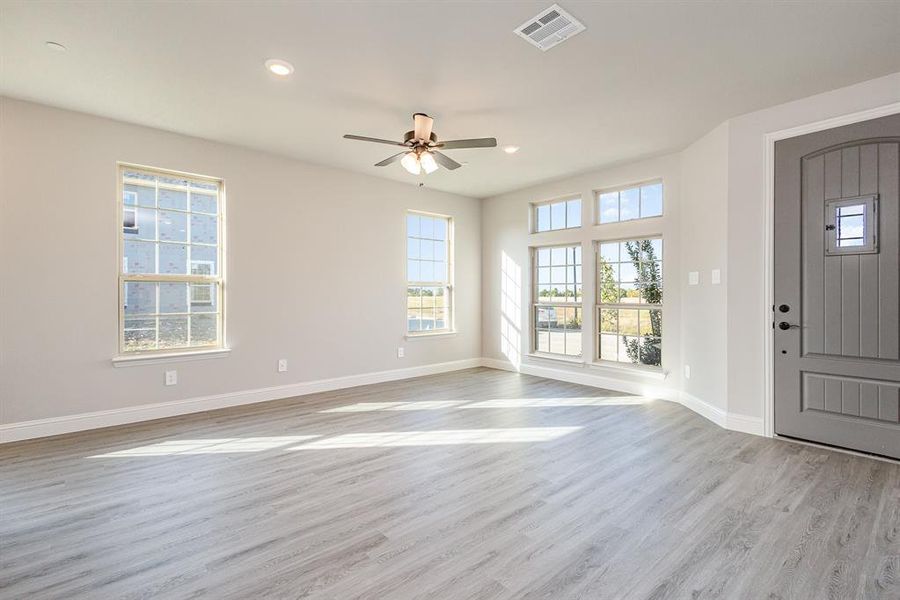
pixel 429 273
pixel 851 225
pixel 557 300
pixel 629 301
pixel 563 214
pixel 171 284
pixel 636 202
pixel 129 213
pixel 202 293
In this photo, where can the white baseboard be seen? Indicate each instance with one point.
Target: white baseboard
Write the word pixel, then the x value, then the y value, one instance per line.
pixel 26 430
pixel 39 428
pixel 722 418
pixel 585 375
pixel 745 424
pixel 704 409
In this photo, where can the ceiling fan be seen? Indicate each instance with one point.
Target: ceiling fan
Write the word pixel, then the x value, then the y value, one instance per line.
pixel 422 148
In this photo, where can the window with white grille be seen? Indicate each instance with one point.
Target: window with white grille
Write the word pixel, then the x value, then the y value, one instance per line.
pixel 171 284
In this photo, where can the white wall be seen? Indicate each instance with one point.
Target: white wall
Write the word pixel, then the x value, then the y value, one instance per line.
pixel 748 320
pixel 507 272
pixel 715 201
pixel 704 202
pixel 315 267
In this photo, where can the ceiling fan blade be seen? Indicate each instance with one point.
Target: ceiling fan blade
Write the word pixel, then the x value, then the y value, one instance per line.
pixel 475 143
pixel 390 159
pixel 363 138
pixel 445 161
pixel 423 125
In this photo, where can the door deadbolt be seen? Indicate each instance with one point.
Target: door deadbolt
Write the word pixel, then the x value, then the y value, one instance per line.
pixel 784 308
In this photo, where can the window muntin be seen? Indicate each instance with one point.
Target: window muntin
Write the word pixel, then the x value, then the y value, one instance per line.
pixel 629 301
pixel 556 301
pixel 429 271
pixel 626 204
pixel 851 225
pixel 170 282
pixel 561 214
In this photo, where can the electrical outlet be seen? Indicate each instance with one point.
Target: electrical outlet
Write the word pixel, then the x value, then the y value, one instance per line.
pixel 694 278
pixel 171 377
pixel 282 365
pixel 687 371
pixel 400 352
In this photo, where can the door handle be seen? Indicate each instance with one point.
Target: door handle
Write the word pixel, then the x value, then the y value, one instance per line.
pixel 784 326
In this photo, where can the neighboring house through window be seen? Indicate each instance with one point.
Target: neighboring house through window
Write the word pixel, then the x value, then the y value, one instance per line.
pixel 171 284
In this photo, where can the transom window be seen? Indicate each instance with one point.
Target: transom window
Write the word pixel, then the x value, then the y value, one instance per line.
pixel 629 301
pixel 636 202
pixel 559 214
pixel 429 270
pixel 556 304
pixel 170 282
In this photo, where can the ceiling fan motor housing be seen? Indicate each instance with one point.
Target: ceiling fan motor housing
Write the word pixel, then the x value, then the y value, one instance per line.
pixel 410 136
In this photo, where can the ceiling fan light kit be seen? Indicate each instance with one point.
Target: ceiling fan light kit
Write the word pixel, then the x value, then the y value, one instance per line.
pixel 423 147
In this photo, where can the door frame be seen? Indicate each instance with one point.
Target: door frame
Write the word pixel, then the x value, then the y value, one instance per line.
pixel 769 282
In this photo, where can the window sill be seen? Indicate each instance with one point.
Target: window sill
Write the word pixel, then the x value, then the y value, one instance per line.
pixel 158 359
pixel 620 368
pixel 419 336
pixel 555 358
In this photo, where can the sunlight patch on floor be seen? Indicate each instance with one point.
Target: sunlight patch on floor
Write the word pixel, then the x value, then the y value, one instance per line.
pixel 208 446
pixel 557 402
pixel 411 405
pixel 443 437
pixel 496 403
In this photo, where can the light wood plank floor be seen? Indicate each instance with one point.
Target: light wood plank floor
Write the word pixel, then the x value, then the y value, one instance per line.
pixel 475 484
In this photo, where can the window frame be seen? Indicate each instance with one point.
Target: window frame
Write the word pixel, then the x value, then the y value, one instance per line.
pixel 600 306
pixel 870 215
pixel 560 200
pixel 598 212
pixel 218 280
pixel 535 304
pixel 447 284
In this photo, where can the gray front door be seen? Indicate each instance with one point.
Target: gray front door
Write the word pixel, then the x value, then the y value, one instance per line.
pixel 837 287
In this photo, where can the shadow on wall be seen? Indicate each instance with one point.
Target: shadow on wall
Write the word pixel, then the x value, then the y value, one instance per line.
pixel 510 310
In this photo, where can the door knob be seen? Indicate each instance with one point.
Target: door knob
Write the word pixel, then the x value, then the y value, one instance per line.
pixel 784 326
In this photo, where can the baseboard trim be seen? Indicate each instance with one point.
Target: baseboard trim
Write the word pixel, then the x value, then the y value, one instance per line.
pixel 704 409
pixel 745 424
pixel 39 428
pixel 587 377
pixel 26 430
pixel 722 418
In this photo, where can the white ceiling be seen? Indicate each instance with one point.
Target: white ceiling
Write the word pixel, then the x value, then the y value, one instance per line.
pixel 645 78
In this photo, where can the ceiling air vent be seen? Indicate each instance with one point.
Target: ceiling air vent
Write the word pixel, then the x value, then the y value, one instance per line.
pixel 551 27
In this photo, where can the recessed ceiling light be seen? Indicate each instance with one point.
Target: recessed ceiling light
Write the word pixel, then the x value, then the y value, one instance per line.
pixel 282 68
pixel 511 149
pixel 56 46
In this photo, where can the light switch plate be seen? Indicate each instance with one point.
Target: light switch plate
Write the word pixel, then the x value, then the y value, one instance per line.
pixel 282 365
pixel 694 278
pixel 715 277
pixel 687 371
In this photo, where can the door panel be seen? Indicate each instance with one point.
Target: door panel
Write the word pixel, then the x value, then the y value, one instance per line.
pixel 837 369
